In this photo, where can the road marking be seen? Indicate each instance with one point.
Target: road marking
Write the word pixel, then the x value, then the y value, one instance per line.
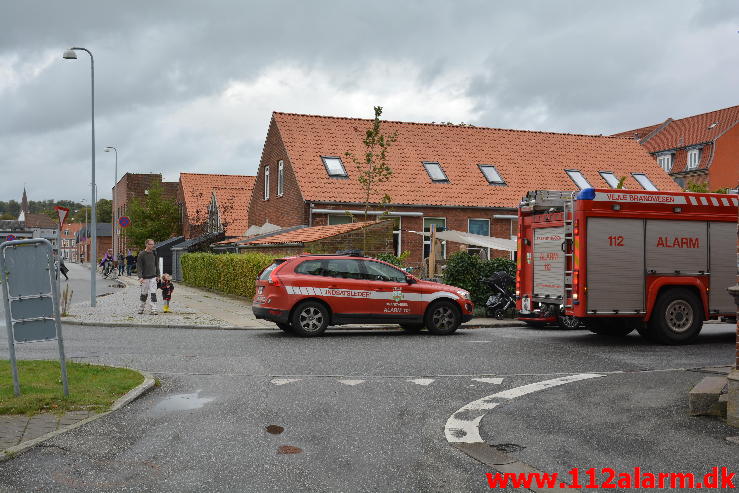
pixel 463 426
pixel 351 382
pixel 421 381
pixel 496 381
pixel 283 381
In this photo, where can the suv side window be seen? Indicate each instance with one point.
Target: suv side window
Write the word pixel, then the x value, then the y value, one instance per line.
pixel 377 271
pixel 310 267
pixel 343 268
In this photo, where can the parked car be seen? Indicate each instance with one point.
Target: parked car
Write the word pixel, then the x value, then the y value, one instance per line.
pixel 307 293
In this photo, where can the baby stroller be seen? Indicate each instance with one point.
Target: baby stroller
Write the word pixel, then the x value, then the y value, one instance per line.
pixel 502 299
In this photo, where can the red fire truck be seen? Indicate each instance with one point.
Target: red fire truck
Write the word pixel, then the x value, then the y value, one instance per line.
pixel 618 260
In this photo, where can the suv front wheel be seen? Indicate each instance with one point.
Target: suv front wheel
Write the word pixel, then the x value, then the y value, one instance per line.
pixel 442 318
pixel 310 319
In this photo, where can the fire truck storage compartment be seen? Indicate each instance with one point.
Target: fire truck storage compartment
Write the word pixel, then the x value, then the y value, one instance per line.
pixel 723 266
pixel 615 259
pixel 677 247
pixel 548 262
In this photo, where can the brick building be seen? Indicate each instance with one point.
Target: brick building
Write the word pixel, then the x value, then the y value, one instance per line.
pixel 462 178
pixel 136 185
pixel 83 241
pixel 701 149
pixel 69 241
pixel 214 203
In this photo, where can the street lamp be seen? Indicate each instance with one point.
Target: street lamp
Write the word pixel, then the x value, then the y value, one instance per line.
pixel 71 55
pixel 115 208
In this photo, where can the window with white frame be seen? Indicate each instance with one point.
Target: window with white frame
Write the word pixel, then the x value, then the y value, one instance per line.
pixel 440 224
pixel 694 157
pixel 609 178
pixel 334 166
pixel 491 174
pixel 579 179
pixel 435 172
pixel 479 227
pixel 280 178
pixel 644 181
pixel 665 162
pixel 266 182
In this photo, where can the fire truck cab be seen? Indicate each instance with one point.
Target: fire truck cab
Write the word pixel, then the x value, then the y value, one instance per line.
pixel 622 260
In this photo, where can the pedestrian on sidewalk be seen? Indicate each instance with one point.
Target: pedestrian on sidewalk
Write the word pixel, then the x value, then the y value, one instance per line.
pixel 167 287
pixel 130 261
pixel 121 263
pixel 63 268
pixel 148 272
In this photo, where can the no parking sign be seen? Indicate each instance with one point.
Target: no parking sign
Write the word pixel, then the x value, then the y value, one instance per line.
pixel 124 221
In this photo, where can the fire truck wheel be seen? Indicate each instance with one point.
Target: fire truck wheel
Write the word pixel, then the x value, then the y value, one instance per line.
pixel 286 327
pixel 442 318
pixel 310 319
pixel 535 325
pixel 412 328
pixel 677 317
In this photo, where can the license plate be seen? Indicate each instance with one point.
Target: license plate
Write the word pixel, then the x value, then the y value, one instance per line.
pixel 526 304
pixel 260 289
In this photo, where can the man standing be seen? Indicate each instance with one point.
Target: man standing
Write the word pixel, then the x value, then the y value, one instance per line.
pixel 148 271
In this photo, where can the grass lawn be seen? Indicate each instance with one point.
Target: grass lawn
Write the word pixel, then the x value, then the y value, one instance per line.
pixel 91 387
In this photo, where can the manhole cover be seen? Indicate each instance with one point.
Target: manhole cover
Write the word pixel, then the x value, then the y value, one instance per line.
pixel 508 447
pixel 275 429
pixel 289 449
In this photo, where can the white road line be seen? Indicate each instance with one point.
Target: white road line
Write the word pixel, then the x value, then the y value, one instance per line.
pixel 496 381
pixel 351 382
pixel 463 426
pixel 283 381
pixel 421 381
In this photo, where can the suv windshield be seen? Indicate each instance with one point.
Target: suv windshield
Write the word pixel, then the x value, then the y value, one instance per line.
pixel 264 276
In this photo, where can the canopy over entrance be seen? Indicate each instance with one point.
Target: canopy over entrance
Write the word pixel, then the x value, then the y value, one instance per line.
pixel 473 239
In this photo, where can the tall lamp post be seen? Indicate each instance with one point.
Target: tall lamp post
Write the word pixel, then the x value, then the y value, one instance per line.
pixel 71 55
pixel 115 208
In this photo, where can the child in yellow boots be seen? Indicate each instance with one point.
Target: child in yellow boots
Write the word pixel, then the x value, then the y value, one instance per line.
pixel 165 284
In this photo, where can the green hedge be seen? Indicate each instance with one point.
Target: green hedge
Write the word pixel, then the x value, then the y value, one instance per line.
pixel 465 271
pixel 228 273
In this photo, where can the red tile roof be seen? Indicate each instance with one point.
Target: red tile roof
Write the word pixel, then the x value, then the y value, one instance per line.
pixel 526 161
pixel 640 133
pixel 315 233
pixel 40 221
pixel 233 193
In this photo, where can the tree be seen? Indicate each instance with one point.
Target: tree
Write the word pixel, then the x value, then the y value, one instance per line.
pixel 104 211
pixel 373 169
pixel 155 217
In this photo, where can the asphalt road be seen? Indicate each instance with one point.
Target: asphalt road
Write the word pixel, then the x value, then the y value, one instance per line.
pixel 365 410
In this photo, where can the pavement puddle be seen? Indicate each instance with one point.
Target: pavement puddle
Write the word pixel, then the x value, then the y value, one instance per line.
pixel 182 402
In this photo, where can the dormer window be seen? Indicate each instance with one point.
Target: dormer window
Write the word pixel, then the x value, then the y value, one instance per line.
pixel 610 178
pixel 644 181
pixel 665 161
pixel 579 179
pixel 491 174
pixel 694 157
pixel 334 166
pixel 435 172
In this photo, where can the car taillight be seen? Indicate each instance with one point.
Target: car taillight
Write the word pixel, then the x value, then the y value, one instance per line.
pixel 575 283
pixel 273 279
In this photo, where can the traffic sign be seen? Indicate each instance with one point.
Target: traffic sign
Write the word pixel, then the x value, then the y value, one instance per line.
pixel 10 238
pixel 124 221
pixel 62 211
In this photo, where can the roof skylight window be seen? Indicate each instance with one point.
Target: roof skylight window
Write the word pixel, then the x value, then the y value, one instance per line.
pixel 644 181
pixel 334 166
pixel 579 179
pixel 610 178
pixel 712 125
pixel 491 174
pixel 435 172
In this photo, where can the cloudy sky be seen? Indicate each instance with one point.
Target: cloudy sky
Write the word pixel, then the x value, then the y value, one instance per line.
pixel 190 85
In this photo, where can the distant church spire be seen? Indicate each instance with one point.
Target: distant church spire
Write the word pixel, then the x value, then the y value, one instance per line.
pixel 24 206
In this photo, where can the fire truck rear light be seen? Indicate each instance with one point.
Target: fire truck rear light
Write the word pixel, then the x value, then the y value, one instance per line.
pixel 677 209
pixel 616 207
pixel 574 296
pixel 518 292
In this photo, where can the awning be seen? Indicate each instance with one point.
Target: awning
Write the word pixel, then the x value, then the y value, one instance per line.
pixel 472 239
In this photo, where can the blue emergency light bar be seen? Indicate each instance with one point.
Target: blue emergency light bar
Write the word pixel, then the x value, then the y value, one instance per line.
pixel 586 194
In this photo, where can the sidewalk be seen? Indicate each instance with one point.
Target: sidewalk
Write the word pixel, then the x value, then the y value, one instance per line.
pixel 193 308
pixel 16 429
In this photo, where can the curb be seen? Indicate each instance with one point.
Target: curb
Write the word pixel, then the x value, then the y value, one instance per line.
pixel 131 395
pixel 235 327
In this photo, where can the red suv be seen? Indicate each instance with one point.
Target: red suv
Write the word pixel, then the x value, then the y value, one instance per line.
pixel 307 293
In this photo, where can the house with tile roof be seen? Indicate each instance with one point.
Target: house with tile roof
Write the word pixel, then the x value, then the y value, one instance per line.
pixel 462 178
pixel 212 203
pixel 701 149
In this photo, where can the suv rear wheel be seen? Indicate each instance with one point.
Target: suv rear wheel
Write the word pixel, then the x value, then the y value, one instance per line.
pixel 310 319
pixel 677 317
pixel 442 318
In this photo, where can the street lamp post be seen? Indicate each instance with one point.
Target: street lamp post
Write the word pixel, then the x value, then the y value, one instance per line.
pixel 71 55
pixel 115 208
